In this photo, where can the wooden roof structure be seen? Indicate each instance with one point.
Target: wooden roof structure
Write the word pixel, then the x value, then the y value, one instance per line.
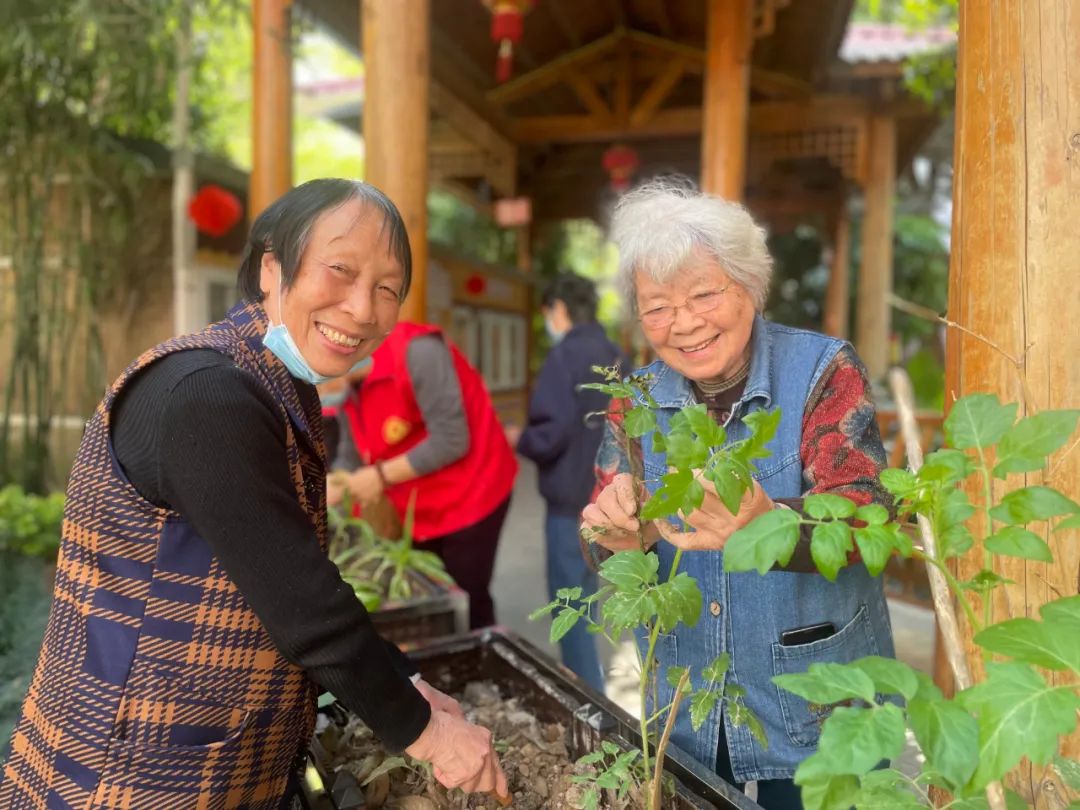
pixel 588 75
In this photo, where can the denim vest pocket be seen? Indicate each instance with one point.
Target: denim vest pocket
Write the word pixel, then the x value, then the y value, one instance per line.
pixel 855 640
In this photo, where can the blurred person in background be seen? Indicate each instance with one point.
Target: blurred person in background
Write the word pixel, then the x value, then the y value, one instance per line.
pixel 562 439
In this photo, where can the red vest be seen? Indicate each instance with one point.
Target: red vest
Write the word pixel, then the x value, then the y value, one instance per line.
pixel 387 422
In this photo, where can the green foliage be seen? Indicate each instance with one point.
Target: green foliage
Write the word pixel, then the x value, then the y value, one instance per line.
pixel 30 524
pixel 380 570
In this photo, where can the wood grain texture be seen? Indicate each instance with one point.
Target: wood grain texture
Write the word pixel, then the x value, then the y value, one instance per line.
pixel 271 104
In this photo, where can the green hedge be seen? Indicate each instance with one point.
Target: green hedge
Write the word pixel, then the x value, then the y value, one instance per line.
pixel 30 524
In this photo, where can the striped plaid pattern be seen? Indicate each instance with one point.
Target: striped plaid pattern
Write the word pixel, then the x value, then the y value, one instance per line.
pixel 156 686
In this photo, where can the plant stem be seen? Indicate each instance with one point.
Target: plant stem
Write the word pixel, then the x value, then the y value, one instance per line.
pixel 954 586
pixel 988 558
pixel 661 746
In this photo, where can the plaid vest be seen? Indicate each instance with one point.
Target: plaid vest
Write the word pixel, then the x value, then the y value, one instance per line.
pixel 157 686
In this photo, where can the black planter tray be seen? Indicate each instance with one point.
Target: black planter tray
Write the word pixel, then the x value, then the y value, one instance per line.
pixel 434 611
pixel 549 691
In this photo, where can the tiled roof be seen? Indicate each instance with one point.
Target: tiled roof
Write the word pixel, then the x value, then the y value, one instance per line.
pixel 882 42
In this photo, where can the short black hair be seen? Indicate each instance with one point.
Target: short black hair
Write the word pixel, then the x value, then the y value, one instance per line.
pixel 285 228
pixel 579 295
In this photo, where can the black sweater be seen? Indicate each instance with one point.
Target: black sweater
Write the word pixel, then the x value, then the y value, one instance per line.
pixel 196 434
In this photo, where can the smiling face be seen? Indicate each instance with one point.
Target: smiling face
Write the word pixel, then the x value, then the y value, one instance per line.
pixel 710 346
pixel 344 298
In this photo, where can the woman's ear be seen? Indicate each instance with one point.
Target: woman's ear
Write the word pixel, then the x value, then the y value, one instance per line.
pixel 269 273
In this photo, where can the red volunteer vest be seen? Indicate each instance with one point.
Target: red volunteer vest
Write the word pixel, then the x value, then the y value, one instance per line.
pixel 387 422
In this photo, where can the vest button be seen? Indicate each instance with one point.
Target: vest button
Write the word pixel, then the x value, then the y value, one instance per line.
pixel 714 608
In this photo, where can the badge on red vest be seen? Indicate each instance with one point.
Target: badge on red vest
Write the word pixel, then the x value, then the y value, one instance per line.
pixel 394 429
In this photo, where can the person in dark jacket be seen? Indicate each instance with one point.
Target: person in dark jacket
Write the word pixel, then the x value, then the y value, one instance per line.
pixel 562 439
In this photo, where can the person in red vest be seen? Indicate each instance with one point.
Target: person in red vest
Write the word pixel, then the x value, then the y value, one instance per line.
pixel 421 421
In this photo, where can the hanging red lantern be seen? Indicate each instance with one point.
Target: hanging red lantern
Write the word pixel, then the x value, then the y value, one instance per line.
pixel 214 210
pixel 475 284
pixel 507 27
pixel 620 162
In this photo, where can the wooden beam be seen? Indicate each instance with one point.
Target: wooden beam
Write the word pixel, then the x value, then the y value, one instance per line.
pixel 658 91
pixel 873 311
pixel 463 164
pixel 837 294
pixel 585 128
pixel 665 46
pixel 728 40
pixel 624 77
pixel 555 71
pixel 501 152
pixel 663 19
pixel 396 42
pixel 271 104
pixel 566 25
pixel 775 84
pixel 588 94
pixel 1012 280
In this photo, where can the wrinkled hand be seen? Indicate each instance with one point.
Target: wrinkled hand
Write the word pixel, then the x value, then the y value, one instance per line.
pixel 366 486
pixel 461 754
pixel 713 522
pixel 336 485
pixel 614 516
pixel 439 701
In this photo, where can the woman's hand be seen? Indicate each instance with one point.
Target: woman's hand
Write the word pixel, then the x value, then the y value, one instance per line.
pixel 439 701
pixel 461 754
pixel 713 522
pixel 613 517
pixel 365 485
pixel 337 483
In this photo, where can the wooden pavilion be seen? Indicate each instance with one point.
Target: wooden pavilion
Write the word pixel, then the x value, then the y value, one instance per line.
pixel 748 96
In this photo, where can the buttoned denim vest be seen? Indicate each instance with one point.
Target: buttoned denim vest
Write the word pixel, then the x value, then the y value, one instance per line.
pixel 745 614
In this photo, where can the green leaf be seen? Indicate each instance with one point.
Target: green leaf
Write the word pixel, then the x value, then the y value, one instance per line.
pixel 568 593
pixel 625 609
pixel 1014 541
pixel 674 675
pixel 1069 770
pixel 946 466
pixel 563 624
pixel 985 581
pixel 1027 444
pixel 1033 642
pixel 1019 715
pixel 326 699
pixel 659 442
pixel 613 390
pixel 877 543
pixel 856 740
pixel 1062 615
pixel 1072 522
pixel 979 421
pixel 825 506
pixel 928 690
pixel 701 705
pixel 630 569
pixel 873 514
pixel 829 547
pixel 898 482
pixel 639 421
pixel 897 798
pixel 1032 503
pixel 954 541
pixel 609 747
pixel 677 600
pixel 828 683
pixel 948 736
pixel 821 788
pixel 763 426
pixel 742 715
pixel 717 668
pixel 684 450
pixel 732 478
pixel 591 799
pixel 763 542
pixel 890 677
pixel 387 765
pixel 706 428
pixel 540 612
pixel 678 491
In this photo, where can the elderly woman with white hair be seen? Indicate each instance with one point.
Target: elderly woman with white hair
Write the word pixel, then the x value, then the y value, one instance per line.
pixel 696 272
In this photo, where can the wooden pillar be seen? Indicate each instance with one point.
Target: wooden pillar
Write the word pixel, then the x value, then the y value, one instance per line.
pixel 837 304
pixel 1012 277
pixel 872 310
pixel 726 104
pixel 271 104
pixel 397 45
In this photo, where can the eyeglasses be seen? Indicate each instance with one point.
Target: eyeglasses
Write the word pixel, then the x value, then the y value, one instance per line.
pixel 661 317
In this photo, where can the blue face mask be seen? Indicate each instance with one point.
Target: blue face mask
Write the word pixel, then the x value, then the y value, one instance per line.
pixel 281 343
pixel 335 398
pixel 555 335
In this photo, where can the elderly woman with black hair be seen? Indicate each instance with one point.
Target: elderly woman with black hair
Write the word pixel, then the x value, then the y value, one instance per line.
pixel 196 613
pixel 695 270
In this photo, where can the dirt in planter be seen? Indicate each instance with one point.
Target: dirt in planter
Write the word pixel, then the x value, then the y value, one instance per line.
pixel 533 755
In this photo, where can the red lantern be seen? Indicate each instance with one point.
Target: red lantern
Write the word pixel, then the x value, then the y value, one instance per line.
pixel 475 284
pixel 620 162
pixel 214 210
pixel 507 27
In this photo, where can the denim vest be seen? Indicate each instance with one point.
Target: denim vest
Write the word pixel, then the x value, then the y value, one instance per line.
pixel 744 614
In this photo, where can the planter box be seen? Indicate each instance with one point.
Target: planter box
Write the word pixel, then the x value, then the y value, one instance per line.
pixel 547 690
pixel 434 611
